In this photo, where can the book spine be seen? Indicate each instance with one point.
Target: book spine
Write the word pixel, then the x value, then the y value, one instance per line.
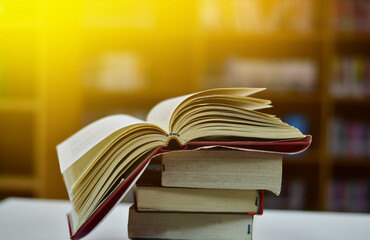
pixel 261 194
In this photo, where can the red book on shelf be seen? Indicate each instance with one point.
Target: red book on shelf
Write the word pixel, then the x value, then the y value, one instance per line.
pixel 284 147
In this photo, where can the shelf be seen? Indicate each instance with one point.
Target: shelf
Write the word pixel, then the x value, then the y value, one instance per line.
pixel 270 37
pixel 351 45
pixel 262 48
pixel 17 183
pixel 139 99
pixel 351 169
pixel 288 97
pixel 353 37
pixel 356 162
pixel 15 105
pixel 309 158
pixel 305 161
pixel 144 39
pixel 352 101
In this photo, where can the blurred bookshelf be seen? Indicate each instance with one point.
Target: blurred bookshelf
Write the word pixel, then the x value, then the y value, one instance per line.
pixel 64 65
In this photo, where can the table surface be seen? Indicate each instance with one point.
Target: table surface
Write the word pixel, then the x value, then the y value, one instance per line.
pixel 22 218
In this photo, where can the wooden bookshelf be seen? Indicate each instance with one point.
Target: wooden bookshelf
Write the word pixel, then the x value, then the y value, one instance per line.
pixel 18 105
pixel 65 48
pixel 20 183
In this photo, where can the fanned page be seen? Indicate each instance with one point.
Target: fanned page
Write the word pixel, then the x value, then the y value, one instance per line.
pixel 220 114
pixel 162 113
pixel 88 137
pixel 97 157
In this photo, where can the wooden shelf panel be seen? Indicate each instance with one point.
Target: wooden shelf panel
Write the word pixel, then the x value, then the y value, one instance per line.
pixel 294 37
pixel 145 98
pixel 356 162
pixel 353 37
pixel 18 105
pixel 17 183
pixel 351 169
pixel 364 101
pixel 289 96
pixel 300 162
pixel 309 158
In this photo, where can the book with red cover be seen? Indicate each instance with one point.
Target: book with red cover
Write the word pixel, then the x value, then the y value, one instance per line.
pixel 284 147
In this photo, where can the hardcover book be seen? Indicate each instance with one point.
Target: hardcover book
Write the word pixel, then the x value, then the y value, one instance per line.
pixel 194 226
pixel 150 196
pixel 223 169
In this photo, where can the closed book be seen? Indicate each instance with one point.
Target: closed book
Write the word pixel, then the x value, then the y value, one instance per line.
pixel 223 169
pixel 150 196
pixel 192 226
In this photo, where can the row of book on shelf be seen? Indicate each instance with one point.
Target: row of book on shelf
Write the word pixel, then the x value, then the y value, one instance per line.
pixel 349 195
pixel 351 15
pixel 240 15
pixel 254 16
pixel 244 16
pixel 351 77
pixel 349 139
pixel 247 16
pixel 125 71
pixel 278 75
pixel 128 71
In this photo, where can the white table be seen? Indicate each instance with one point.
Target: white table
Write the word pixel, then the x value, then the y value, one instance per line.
pixel 46 219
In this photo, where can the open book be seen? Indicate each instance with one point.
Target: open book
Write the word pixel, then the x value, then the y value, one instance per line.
pixel 103 160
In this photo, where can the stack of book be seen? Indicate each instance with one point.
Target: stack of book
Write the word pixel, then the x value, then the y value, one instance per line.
pixel 203 194
pixel 101 162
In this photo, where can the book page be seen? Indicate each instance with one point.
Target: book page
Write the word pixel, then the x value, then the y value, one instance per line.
pixel 162 113
pixel 81 142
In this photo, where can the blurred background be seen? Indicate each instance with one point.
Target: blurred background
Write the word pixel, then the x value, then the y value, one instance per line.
pixel 64 64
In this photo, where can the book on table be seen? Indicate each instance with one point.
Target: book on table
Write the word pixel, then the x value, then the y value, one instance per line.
pixel 102 161
pixel 215 180
pixel 162 225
